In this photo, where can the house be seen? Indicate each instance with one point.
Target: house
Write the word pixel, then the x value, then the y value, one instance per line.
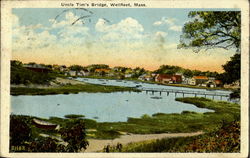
pixel 62 68
pixel 83 73
pixel 142 77
pixel 128 75
pixel 164 78
pixel 198 80
pixel 185 80
pixel 102 72
pixel 146 77
pixel 37 68
pixel 218 83
pixel 72 73
pixel 177 78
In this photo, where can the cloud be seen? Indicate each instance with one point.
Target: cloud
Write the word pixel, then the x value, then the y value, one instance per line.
pixel 170 22
pixel 165 21
pixel 57 34
pixel 175 28
pixel 126 29
pixel 161 33
pixel 27 37
pixel 157 23
pixel 69 18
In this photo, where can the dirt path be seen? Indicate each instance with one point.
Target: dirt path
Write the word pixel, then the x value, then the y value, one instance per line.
pixel 98 144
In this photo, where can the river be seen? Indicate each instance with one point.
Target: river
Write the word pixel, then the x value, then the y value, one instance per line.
pixel 105 107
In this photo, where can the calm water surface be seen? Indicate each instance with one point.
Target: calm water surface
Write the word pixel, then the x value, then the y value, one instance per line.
pixel 104 107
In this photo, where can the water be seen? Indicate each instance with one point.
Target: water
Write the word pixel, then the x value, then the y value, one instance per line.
pixel 103 107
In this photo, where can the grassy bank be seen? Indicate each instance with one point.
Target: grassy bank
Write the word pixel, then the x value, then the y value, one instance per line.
pixel 225 139
pixel 67 89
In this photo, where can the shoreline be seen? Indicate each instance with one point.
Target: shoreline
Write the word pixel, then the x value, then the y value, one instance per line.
pixel 72 86
pixel 65 86
pixel 156 83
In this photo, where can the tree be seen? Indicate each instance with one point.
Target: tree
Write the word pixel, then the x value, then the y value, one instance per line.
pixel 212 29
pixel 188 73
pixel 232 70
pixel 76 67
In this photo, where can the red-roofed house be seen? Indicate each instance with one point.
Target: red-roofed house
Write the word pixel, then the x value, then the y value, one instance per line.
pixel 164 78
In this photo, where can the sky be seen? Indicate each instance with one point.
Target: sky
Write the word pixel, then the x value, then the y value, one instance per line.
pixel 131 37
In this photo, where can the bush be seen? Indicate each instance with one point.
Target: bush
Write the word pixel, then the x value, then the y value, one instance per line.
pixel 25 135
pixel 74 133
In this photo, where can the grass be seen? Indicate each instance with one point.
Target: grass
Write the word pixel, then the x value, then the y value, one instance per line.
pixel 67 89
pixel 225 139
pixel 184 122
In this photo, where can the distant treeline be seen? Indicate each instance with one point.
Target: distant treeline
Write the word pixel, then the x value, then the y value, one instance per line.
pixel 22 75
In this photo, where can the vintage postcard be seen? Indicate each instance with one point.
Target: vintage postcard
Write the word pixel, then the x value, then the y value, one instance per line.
pixel 124 78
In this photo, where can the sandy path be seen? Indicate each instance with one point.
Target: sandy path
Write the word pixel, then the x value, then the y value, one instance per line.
pixel 98 144
pixel 68 81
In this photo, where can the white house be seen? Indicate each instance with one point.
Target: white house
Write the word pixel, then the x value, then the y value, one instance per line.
pixel 83 73
pixel 128 75
pixel 72 73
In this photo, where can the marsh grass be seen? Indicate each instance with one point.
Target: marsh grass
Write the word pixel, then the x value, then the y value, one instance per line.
pixel 187 121
pixel 67 89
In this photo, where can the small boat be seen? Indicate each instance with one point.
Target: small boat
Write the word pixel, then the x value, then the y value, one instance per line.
pixel 210 89
pixel 138 85
pixel 156 97
pixel 44 124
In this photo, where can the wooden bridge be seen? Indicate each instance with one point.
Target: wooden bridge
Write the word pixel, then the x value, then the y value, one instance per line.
pixel 183 92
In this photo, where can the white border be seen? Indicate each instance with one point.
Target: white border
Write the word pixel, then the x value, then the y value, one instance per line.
pixel 6 7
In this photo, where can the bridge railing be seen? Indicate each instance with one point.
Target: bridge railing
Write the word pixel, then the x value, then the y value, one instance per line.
pixel 183 91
